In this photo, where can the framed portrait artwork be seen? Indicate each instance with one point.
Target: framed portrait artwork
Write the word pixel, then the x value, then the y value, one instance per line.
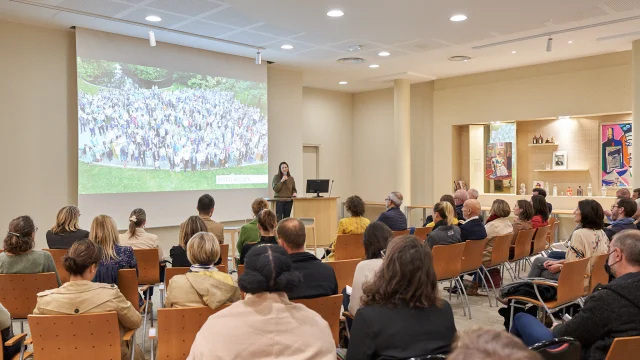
pixel 559 160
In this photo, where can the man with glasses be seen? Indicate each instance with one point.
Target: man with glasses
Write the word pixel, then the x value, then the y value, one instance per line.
pixel 394 217
pixel 622 212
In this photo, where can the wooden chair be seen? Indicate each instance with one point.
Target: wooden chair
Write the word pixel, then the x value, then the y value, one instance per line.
pixel 344 270
pixel 128 286
pixel 540 240
pixel 624 348
pixel 87 336
pixel 400 233
pixel 19 293
pixel 310 228
pixel 499 257
pixel 570 288
pixel 472 262
pixel 329 308
pixel 170 272
pixel 551 237
pixel 18 339
pixel 447 262
pixel 57 255
pixel 240 270
pixel 598 274
pixel 148 274
pixel 224 255
pixel 522 248
pixel 349 247
pixel 422 232
pixel 177 329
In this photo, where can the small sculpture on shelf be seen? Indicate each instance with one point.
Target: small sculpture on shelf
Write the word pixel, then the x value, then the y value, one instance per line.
pixel 580 192
pixel 590 191
pixel 523 189
pixel 569 191
pixel 555 190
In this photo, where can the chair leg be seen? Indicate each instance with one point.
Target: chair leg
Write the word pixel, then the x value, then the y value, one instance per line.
pixel 493 286
pixel 451 288
pixel 462 290
pixel 510 270
pixel 484 283
pixel 144 323
pixel 511 305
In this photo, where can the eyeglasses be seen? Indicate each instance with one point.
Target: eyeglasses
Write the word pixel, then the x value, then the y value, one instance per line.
pixel 614 206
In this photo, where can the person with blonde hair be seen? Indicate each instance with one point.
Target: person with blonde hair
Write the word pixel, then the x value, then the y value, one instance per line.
pixel 249 232
pixel 445 231
pixel 193 225
pixel 66 231
pixel 203 285
pixel 267 222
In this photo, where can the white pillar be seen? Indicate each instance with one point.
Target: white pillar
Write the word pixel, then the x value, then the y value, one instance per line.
pixel 402 137
pixel 635 127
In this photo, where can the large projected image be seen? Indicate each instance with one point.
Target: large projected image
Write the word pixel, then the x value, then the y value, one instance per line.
pixel 146 129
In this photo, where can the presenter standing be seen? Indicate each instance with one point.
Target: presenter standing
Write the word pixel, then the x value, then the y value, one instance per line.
pixel 284 186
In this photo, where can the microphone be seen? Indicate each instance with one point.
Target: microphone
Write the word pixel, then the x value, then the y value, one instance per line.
pixel 331 188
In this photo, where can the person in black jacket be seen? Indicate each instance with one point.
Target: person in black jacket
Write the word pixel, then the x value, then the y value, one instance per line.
pixel 318 279
pixel 192 226
pixel 394 218
pixel 610 312
pixel 622 216
pixel 66 231
pixel 473 228
pixel 444 231
pixel 402 316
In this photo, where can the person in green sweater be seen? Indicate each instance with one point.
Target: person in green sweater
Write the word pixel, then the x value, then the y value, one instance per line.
pixel 249 232
pixel 284 186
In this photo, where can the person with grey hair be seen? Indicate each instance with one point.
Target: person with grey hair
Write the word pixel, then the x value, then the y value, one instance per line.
pixel 611 311
pixel 459 197
pixel 473 194
pixel 393 217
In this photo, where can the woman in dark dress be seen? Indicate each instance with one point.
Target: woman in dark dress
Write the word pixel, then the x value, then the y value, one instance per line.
pixel 178 254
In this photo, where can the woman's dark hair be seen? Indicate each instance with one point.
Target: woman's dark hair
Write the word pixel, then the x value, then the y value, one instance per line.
pixel 19 238
pixel 448 198
pixel 81 256
pixel 137 218
pixel 355 205
pixel 376 238
pixel 267 220
pixel 267 268
pixel 540 207
pixel 526 210
pixel 406 278
pixel 280 174
pixel 591 214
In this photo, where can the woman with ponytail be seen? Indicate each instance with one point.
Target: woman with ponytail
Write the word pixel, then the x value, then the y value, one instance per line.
pixel 137 237
pixel 267 222
pixel 288 331
pixel 19 257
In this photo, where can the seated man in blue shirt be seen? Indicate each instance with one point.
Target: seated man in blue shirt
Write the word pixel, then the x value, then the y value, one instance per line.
pixel 394 218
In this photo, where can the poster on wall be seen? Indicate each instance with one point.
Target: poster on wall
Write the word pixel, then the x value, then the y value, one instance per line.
pixel 616 154
pixel 498 162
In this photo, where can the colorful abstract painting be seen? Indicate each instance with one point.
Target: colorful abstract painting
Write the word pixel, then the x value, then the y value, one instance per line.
pixel 616 154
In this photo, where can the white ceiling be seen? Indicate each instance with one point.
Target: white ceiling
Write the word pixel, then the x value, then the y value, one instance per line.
pixel 418 33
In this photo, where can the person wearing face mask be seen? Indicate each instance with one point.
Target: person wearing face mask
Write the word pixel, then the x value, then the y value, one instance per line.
pixel 611 311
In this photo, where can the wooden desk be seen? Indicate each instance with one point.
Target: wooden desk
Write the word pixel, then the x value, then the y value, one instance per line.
pixel 323 209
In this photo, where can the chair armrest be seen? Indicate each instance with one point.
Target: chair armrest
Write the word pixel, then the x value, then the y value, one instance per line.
pixel 348 315
pixel 153 333
pixel 14 340
pixel 544 282
pixel 129 335
pixel 143 288
pixel 29 341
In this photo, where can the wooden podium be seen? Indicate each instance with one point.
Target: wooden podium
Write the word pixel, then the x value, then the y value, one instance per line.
pixel 323 209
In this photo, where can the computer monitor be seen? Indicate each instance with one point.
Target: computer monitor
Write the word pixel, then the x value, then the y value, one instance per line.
pixel 317 186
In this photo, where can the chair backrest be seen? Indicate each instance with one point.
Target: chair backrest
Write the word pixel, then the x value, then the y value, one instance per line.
pixel 173 271
pixel 472 255
pixel 344 270
pixel 500 252
pixel 329 308
pixel 598 274
pixel 148 266
pixel 349 247
pixel 523 244
pixel 87 336
pixel 400 233
pixel 552 220
pixel 224 255
pixel 624 348
pixel 240 270
pixel 57 255
pixel 571 280
pixel 177 329
pixel 422 232
pixel 128 286
pixel 540 239
pixel 447 260
pixel 19 292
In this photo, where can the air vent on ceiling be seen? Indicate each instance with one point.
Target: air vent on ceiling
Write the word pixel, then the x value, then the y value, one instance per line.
pixel 352 48
pixel 460 58
pixel 351 60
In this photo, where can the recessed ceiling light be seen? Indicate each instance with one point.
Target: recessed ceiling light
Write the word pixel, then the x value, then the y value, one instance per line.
pixel 460 58
pixel 343 83
pixel 335 13
pixel 286 47
pixel 458 17
pixel 374 66
pixel 384 53
pixel 570 41
pixel 513 52
pixel 153 18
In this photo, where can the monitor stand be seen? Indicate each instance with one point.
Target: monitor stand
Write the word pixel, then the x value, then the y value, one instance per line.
pixel 318 195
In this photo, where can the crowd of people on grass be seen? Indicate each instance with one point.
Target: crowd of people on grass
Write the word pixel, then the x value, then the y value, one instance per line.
pixel 396 308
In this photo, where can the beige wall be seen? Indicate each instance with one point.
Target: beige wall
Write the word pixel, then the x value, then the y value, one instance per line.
pixel 422 153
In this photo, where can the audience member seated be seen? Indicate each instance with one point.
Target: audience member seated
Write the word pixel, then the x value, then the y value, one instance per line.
pixel 19 257
pixel 178 254
pixel 401 315
pixel 266 325
pixel 636 197
pixel 66 231
pixel 586 242
pixel 376 238
pixel 611 311
pixel 500 226
pixel 445 232
pixel 473 228
pixel 473 194
pixel 621 193
pixel 318 279
pixel 81 296
pixel 7 333
pixel 490 344
pixel 393 217
pixel 543 193
pixel 267 222
pixel 622 215
pixel 540 212
pixel 459 197
pixel 523 210
pixel 203 285
pixel 448 198
pixel 249 232
pixel 205 208
pixel 355 224
pixel 137 237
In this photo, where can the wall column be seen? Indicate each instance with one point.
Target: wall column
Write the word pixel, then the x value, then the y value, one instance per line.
pixel 635 106
pixel 402 137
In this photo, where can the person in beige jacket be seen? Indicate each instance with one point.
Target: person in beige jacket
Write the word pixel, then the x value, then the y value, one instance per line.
pixel 266 325
pixel 203 285
pixel 137 237
pixel 81 296
pixel 500 226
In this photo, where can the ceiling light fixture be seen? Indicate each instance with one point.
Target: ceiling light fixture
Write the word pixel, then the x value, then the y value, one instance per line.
pixel 152 38
pixel 153 18
pixel 460 58
pixel 258 58
pixel 384 53
pixel 355 48
pixel 570 41
pixel 458 18
pixel 550 44
pixel 286 47
pixel 335 13
pixel 374 66
pixel 343 83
